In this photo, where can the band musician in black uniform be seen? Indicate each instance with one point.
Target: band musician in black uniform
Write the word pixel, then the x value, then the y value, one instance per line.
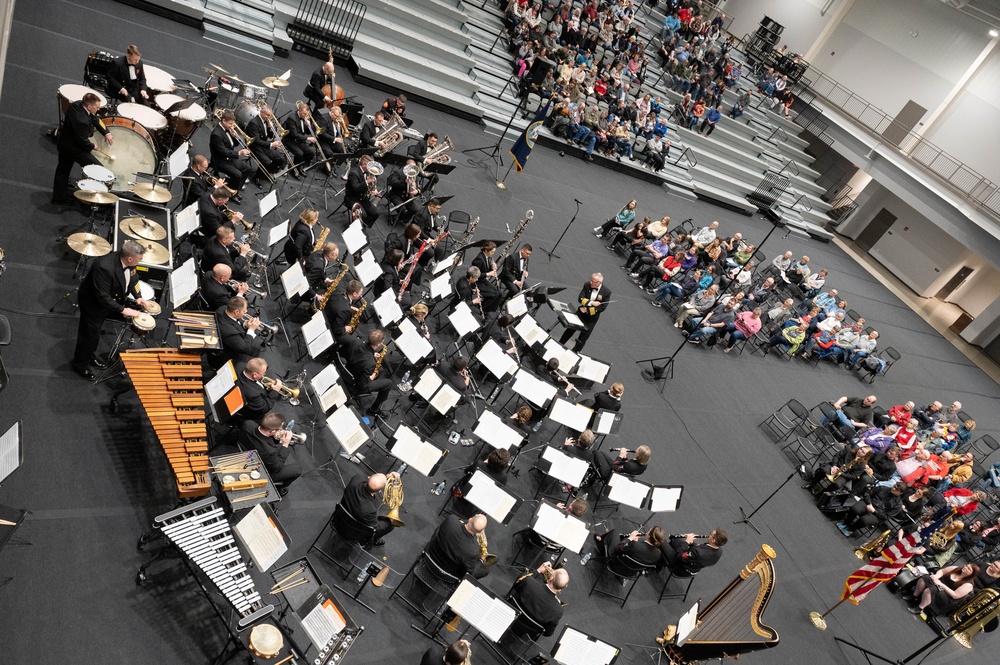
pixel 222 249
pixel 455 549
pixel 110 288
pixel 215 289
pixel 685 557
pixel 74 144
pixel 606 465
pixel 230 155
pixel 466 290
pixel 403 193
pixel 331 138
pixel 642 549
pixel 214 212
pixel 395 105
pixel 371 129
pixel 196 180
pixel 593 300
pixel 257 400
pixel 536 597
pixel 392 277
pixel 360 185
pixel 324 76
pixel 488 272
pixel 302 237
pixel 126 78
pixel 418 153
pixel 267 143
pixel 362 500
pixel 239 339
pixel 273 444
pixel 362 361
pixel 456 653
pixel 340 310
pixel 319 270
pixel 514 273
pixel 301 139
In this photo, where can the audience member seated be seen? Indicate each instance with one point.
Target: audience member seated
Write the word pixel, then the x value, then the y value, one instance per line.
pixel 944 591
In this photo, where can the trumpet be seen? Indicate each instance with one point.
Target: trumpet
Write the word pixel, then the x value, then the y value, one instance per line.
pixel 296 438
pixel 231 215
pixel 214 182
pixel 246 318
pixel 285 392
pixel 252 254
pixel 235 286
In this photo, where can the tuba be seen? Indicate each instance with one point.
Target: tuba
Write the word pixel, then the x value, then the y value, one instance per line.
pixel 439 155
pixel 392 496
pixel 487 558
pixel 390 136
pixel 977 615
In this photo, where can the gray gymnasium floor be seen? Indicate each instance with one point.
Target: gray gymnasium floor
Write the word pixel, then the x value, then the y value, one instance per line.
pixel 94 480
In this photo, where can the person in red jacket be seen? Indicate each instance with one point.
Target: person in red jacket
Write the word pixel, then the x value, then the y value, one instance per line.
pixel 963 500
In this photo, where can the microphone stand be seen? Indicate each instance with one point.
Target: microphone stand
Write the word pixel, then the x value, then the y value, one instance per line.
pixel 746 518
pixel 552 252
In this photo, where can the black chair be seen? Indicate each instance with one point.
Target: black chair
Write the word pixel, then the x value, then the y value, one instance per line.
pixel 984 446
pixel 432 577
pixel 351 382
pixel 804 451
pixel 851 317
pixel 625 568
pixel 964 415
pixel 5 331
pixel 349 531
pixel 889 356
pixel 682 575
pixel 786 420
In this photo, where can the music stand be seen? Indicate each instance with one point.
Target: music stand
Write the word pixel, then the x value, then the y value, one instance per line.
pixel 481 608
pixel 575 647
pixel 492 498
pixel 10 520
pixel 262 535
pixel 370 567
pixel 407 446
pixel 564 468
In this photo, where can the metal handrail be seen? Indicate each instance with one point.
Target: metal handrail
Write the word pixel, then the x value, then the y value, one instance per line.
pixel 792 163
pixel 777 129
pixel 802 199
pixel 948 169
pixel 687 154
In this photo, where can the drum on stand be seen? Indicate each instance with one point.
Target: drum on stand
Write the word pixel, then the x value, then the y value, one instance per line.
pixel 246 111
pixel 158 80
pixel 229 94
pixel 143 324
pixel 133 152
pixel 255 93
pixel 103 175
pixel 72 92
pixel 149 118
pixel 180 124
pixel 89 185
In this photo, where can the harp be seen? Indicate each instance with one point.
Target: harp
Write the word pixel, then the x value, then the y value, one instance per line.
pixel 731 623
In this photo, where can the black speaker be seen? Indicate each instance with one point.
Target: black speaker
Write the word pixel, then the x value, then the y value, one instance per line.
pixel 539 68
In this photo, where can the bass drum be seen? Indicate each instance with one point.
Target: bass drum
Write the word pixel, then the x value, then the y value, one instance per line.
pixel 245 112
pixel 133 151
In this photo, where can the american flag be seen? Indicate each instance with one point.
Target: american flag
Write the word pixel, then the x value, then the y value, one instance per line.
pixel 888 564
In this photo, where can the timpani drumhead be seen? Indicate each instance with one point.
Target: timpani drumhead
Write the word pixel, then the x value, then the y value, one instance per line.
pixel 89 185
pixel 72 92
pixel 149 118
pixel 265 641
pixel 133 151
pixel 158 80
pixel 99 173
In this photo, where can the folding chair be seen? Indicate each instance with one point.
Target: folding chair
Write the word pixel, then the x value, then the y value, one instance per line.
pixel 680 575
pixel 984 446
pixel 783 422
pixel 431 577
pixel 349 531
pixel 623 567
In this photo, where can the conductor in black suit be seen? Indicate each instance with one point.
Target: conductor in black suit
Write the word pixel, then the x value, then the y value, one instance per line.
pixel 361 361
pixel 514 272
pixel 239 343
pixel 222 249
pixel 314 90
pixel 362 500
pixel 110 288
pixel 74 144
pixel 592 302
pixel 537 599
pixel 126 78
pixel 274 445
pixel 215 289
pixel 267 142
pixel 358 192
pixel 454 546
pixel 230 156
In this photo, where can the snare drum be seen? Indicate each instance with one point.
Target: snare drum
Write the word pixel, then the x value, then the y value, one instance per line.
pixel 101 174
pixel 72 92
pixel 89 185
pixel 143 324
pixel 245 112
pixel 149 118
pixel 254 93
pixel 134 151
pixel 158 80
pixel 182 123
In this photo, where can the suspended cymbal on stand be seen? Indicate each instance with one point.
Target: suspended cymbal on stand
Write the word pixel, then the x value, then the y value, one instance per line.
pixel 96 198
pixel 140 227
pixel 274 82
pixel 88 244
pixel 156 254
pixel 151 192
pixel 216 68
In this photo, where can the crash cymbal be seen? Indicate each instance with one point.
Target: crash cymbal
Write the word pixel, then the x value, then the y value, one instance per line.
pixel 156 253
pixel 140 227
pixel 217 68
pixel 150 192
pixel 88 244
pixel 273 82
pixel 96 198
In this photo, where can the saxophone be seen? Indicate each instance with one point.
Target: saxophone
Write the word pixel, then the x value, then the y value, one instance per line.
pixel 379 357
pixel 484 554
pixel 356 319
pixel 321 240
pixel 331 288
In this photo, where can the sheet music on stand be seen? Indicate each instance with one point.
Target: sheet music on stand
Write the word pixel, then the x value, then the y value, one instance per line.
pixel 407 446
pixel 687 623
pixel 441 287
pixel 567 359
pixel 492 498
pixel 413 345
pixel 486 612
pixel 322 617
pixel 268 203
pixel 263 536
pixel 346 427
pixel 428 383
pixel 445 399
pixel 565 468
pixel 186 221
pixel 277 233
pixel 628 491
pixel 328 389
pixel 575 647
pixel 516 306
pixel 463 321
pixel 533 389
pixel 607 422
pixel 11 451
pixel 499 363
pixel 665 498
pixel 368 269
pixel 177 161
pixel 445 264
pixel 562 528
pixel 571 320
pixel 293 280
pixel 592 370
pixel 529 330
pixel 316 334
pixel 387 308
pixel 183 282
pixel 574 416
pixel 498 434
pixel 218 387
pixel 354 237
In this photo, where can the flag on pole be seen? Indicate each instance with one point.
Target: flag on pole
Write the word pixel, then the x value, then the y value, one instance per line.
pixel 888 564
pixel 521 149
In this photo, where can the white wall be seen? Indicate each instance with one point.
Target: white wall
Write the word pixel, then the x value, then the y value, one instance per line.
pixel 801 19
pixel 6 18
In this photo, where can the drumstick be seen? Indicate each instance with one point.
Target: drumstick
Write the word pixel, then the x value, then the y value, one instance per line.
pixel 111 158
pixel 7 523
pixel 285 588
pixel 285 660
pixel 285 579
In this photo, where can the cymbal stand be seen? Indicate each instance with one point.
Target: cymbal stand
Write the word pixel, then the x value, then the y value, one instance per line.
pixel 116 367
pixel 301 190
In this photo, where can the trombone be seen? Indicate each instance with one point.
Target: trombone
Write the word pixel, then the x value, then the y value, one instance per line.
pixel 245 141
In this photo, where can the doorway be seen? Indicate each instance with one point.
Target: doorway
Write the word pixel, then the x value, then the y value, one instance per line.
pixel 876 228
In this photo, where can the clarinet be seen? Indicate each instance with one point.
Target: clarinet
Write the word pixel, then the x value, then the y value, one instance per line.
pixel 521 226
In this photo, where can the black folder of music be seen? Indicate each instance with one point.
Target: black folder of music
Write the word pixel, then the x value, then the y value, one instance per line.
pixel 575 647
pixel 331 630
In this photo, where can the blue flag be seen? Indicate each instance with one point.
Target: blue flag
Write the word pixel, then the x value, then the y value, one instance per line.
pixel 521 149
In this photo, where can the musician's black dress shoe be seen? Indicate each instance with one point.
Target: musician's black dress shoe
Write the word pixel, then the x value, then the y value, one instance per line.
pixel 379 543
pixel 85 373
pixel 237 199
pixel 99 364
